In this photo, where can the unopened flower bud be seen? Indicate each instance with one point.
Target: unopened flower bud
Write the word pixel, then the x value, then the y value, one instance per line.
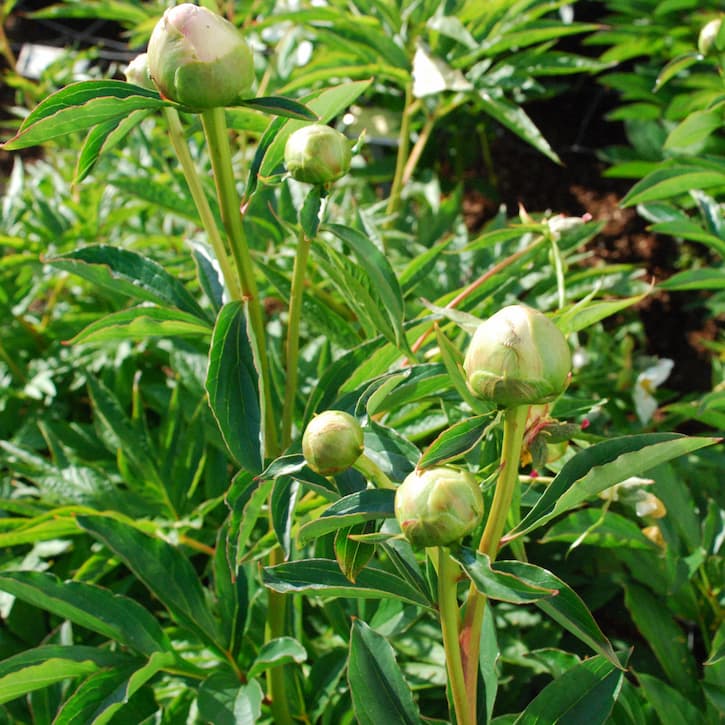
pixel 517 357
pixel 708 34
pixel 137 71
pixel 332 442
pixel 438 507
pixel 199 59
pixel 317 154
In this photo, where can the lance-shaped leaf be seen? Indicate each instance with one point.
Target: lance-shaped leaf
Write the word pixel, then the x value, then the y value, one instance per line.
pixel 128 273
pixel 499 585
pixel 323 577
pixel 40 667
pixel 163 569
pixel 104 693
pixel 276 652
pixel 602 465
pixel 140 323
pixel 380 273
pixel 455 441
pixel 80 106
pixel 379 692
pixel 224 701
pixel 100 610
pixel 232 384
pixel 280 106
pixel 354 509
pixel 584 693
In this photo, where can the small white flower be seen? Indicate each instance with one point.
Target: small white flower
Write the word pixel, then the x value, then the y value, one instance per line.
pixel 647 382
pixel 628 485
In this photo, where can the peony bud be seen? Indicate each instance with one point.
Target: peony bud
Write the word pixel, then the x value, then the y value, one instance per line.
pixel 708 34
pixel 438 507
pixel 199 59
pixel 317 154
pixel 137 71
pixel 517 357
pixel 332 442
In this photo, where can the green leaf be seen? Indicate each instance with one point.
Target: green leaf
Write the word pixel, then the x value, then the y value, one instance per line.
pixel 276 652
pixel 668 703
pixel 566 608
pixel 112 615
pixel 162 568
pixel 279 106
pixel 497 585
pixel 323 577
pixel 379 692
pixel 232 384
pixel 367 505
pixel 522 583
pixel 515 119
pixel 595 527
pixel 674 66
pixel 695 279
pixel 224 701
pixel 128 273
pixel 688 229
pixel 353 553
pixel 141 323
pixel 35 677
pixel 104 693
pixel 104 137
pixel 669 181
pixel 602 465
pixel 586 313
pixel 455 441
pixel 583 694
pixel 80 106
pixel 381 275
pixel 696 128
pixel 665 637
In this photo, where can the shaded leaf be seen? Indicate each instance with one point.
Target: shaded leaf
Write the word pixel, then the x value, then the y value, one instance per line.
pixel 162 568
pixel 379 692
pixel 232 384
pixel 323 577
pixel 112 615
pixel 602 465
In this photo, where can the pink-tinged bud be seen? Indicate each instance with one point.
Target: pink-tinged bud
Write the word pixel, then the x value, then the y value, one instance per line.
pixel 199 59
pixel 332 442
pixel 517 357
pixel 438 507
pixel 708 35
pixel 137 71
pixel 317 154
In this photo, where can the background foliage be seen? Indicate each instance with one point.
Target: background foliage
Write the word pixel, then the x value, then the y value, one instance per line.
pixel 142 545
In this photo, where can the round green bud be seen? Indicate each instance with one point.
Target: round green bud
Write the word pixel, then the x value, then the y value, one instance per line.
pixel 332 442
pixel 137 71
pixel 517 357
pixel 199 59
pixel 317 154
pixel 438 507
pixel 708 34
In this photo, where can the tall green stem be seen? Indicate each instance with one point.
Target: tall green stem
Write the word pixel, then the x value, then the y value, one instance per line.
pixel 402 158
pixel 372 472
pixel 215 129
pixel 178 141
pixel 449 615
pixel 293 337
pixel 470 638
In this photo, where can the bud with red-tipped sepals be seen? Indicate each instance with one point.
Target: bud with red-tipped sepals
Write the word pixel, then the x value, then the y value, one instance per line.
pixel 438 507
